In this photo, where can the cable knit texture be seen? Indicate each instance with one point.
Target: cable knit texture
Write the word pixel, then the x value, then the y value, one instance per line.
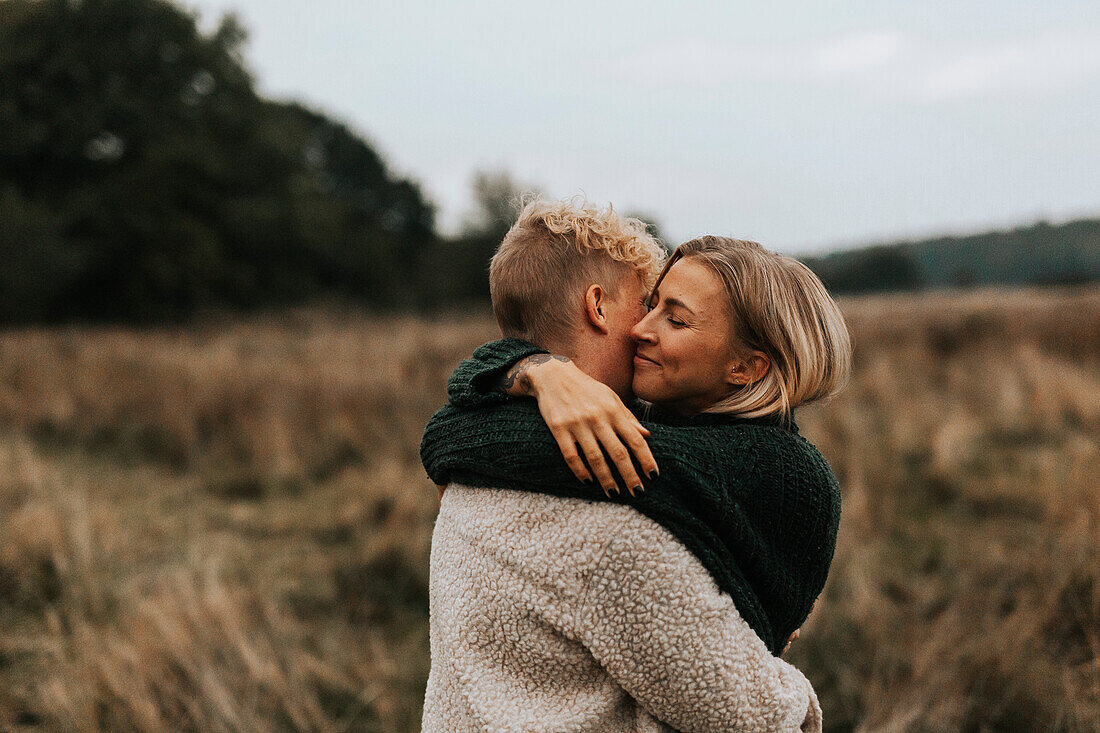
pixel 474 382
pixel 556 614
pixel 755 502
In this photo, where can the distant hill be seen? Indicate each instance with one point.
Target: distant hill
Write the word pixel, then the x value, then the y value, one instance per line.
pixel 1040 254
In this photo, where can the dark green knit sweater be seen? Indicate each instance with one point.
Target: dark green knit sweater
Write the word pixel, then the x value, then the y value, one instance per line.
pixel 753 500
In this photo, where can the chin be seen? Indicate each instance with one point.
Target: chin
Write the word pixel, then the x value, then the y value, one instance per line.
pixel 645 391
pixel 624 390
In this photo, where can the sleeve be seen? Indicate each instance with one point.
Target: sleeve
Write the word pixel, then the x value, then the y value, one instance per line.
pixel 500 442
pixel 506 442
pixel 474 381
pixel 657 623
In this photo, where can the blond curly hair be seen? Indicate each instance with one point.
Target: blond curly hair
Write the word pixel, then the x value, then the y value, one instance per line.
pixel 553 253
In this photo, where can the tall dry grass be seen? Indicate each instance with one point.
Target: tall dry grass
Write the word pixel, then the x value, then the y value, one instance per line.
pixel 965 593
pixel 226 527
pixel 219 528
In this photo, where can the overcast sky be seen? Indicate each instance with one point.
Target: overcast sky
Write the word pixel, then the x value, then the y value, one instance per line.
pixel 804 125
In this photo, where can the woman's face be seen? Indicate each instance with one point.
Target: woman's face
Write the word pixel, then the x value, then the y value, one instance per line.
pixel 684 357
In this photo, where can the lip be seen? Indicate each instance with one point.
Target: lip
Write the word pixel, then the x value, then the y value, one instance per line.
pixel 638 358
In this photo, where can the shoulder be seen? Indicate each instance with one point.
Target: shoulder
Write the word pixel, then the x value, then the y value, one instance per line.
pixel 791 454
pixel 487 512
pixel 793 486
pixel 552 529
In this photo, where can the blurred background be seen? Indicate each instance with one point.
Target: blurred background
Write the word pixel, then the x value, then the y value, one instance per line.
pixel 243 243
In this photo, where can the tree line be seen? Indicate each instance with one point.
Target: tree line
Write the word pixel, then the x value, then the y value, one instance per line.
pixel 143 178
pixel 1038 254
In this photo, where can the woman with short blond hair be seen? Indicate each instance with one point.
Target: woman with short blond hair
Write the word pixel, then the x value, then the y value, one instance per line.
pixel 780 311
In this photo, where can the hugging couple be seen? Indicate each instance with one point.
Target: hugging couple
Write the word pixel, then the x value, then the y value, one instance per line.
pixel 631 530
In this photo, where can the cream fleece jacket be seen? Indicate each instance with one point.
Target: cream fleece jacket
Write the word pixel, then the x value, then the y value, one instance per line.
pixel 559 614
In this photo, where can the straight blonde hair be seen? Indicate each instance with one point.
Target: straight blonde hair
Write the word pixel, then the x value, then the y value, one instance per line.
pixel 778 306
pixel 550 256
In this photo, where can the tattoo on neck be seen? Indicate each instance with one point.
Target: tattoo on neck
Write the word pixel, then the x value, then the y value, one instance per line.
pixel 519 369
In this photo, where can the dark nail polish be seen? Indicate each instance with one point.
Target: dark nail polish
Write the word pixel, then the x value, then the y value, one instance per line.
pixel 638 489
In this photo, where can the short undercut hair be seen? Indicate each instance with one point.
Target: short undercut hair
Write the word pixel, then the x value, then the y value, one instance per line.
pixel 550 256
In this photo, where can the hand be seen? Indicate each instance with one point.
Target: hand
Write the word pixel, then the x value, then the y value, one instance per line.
pixel 581 411
pixel 791 640
pixel 797 632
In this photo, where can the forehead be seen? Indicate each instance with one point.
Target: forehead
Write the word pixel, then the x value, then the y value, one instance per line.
pixel 694 284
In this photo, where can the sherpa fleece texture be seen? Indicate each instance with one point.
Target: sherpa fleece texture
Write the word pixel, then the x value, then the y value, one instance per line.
pixel 557 614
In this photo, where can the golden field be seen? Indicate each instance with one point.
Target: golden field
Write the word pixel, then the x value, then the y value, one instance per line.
pixel 225 526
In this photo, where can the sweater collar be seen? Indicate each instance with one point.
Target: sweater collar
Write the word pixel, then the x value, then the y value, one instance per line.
pixel 712 419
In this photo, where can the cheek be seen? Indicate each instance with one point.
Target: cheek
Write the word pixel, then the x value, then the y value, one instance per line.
pixel 687 357
pixel 674 347
pixel 716 361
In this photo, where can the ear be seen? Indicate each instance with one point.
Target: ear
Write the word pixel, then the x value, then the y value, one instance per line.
pixel 595 308
pixel 749 369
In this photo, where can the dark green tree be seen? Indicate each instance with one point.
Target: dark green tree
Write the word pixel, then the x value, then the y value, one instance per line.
pixel 142 177
pixel 458 269
pixel 870 270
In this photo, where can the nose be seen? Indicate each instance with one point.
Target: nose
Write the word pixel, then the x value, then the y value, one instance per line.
pixel 643 330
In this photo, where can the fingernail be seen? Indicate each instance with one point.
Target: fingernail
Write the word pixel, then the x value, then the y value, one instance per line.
pixel 638 489
pixel 653 473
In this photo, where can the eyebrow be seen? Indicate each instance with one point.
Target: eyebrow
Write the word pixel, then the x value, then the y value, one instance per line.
pixel 680 303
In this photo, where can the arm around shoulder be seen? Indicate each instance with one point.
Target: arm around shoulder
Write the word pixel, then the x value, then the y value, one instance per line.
pixel 476 381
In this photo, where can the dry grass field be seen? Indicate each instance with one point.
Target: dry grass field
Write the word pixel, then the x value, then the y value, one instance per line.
pixel 225 527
